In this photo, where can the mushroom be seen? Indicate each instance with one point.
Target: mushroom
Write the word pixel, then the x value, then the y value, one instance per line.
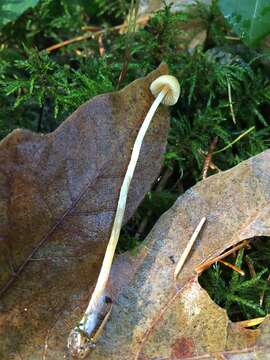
pixel 82 339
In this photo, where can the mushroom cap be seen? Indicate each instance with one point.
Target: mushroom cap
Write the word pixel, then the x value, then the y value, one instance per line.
pixel 173 86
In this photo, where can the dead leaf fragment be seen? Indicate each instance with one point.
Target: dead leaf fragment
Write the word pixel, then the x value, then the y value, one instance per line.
pixel 58 196
pixel 154 318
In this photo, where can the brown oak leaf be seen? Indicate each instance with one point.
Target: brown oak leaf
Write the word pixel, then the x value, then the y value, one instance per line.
pixel 58 196
pixel 156 318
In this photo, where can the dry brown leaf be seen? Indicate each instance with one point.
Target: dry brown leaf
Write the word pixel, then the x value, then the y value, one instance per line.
pixel 154 318
pixel 58 196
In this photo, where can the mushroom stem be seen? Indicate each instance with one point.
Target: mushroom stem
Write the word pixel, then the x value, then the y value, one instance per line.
pixel 82 338
pixel 108 258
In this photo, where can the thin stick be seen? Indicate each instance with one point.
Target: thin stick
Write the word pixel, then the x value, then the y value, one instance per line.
pixel 233 267
pixel 200 268
pixel 71 41
pixel 230 101
pixel 235 140
pixel 93 34
pixel 190 243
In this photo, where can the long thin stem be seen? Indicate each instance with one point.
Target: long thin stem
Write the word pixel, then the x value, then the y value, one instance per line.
pixel 108 258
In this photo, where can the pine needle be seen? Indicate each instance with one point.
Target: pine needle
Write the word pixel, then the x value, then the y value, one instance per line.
pixel 233 267
pixel 190 243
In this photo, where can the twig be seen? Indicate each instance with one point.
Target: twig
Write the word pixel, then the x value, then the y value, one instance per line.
pixel 92 35
pixel 230 101
pixel 251 322
pixel 233 267
pixel 208 157
pixel 201 267
pixel 235 140
pixel 71 41
pixel 103 323
pixel 190 243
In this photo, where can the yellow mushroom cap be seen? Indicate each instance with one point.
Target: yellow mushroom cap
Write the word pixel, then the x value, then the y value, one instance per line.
pixel 172 85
